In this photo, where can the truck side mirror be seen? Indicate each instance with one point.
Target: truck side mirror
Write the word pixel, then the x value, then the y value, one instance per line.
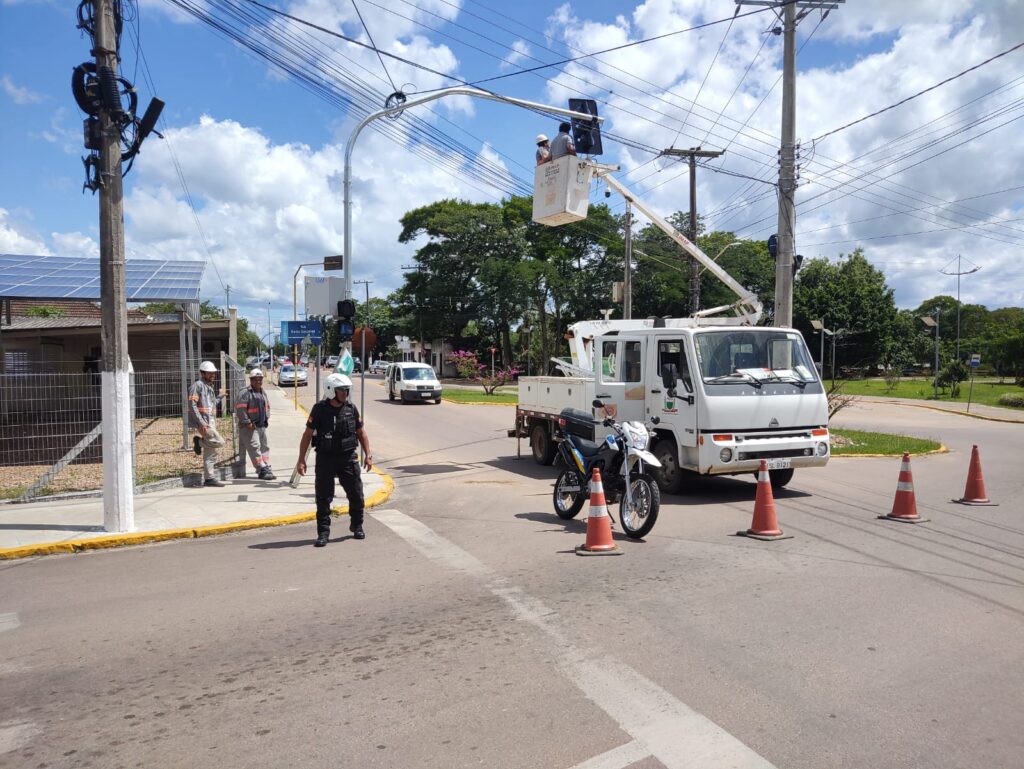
pixel 669 376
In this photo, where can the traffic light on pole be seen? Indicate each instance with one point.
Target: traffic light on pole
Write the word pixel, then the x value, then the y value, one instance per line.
pixel 346 322
pixel 586 134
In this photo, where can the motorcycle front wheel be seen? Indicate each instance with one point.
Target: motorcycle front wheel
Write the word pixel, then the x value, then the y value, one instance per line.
pixel 639 518
pixel 570 494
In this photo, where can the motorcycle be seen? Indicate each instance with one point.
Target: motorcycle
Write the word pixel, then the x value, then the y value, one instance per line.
pixel 620 456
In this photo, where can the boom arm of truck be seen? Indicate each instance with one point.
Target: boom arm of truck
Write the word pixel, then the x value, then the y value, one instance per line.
pixel 748 306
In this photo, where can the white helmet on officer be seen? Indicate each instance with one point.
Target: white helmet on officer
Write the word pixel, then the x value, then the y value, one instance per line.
pixel 337 381
pixel 256 373
pixel 541 139
pixel 207 367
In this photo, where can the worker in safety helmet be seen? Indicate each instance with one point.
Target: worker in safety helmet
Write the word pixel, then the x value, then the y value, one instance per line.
pixel 202 412
pixel 562 144
pixel 543 149
pixel 335 428
pixel 252 408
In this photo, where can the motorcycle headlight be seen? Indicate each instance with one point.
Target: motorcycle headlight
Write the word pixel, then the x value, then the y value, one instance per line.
pixel 725 455
pixel 821 449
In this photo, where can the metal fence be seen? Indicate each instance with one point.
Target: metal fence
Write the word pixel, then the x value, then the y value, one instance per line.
pixel 50 425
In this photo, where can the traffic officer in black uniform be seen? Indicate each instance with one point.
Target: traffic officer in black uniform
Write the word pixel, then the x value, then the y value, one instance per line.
pixel 335 427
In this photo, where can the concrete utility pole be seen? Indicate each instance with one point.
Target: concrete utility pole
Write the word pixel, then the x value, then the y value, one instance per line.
pixel 627 281
pixel 793 11
pixel 118 461
pixel 692 154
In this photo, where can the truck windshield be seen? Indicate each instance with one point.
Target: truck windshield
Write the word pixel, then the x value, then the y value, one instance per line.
pixel 745 356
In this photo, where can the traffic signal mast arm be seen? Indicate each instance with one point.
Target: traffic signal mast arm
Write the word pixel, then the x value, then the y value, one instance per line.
pixel 747 306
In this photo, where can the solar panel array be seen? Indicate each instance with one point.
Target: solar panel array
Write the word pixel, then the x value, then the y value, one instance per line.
pixel 65 277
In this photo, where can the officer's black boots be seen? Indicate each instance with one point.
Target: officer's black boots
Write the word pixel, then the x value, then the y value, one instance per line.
pixel 321 540
pixel 358 533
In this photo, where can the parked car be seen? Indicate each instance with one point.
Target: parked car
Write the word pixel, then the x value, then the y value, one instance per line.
pixel 357 367
pixel 304 360
pixel 331 361
pixel 379 366
pixel 412 382
pixel 288 373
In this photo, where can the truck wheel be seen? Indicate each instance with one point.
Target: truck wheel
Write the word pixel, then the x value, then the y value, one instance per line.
pixel 541 444
pixel 780 478
pixel 670 475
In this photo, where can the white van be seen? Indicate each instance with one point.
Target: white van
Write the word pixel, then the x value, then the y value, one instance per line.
pixel 412 382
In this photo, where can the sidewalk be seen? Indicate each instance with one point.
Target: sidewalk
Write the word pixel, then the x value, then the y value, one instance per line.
pixel 978 410
pixel 73 525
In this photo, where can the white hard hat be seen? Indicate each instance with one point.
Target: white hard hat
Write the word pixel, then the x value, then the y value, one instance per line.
pixel 334 381
pixel 208 367
pixel 256 373
pixel 540 138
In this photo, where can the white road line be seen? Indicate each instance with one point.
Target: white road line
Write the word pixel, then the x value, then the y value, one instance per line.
pixel 616 758
pixel 663 726
pixel 9 621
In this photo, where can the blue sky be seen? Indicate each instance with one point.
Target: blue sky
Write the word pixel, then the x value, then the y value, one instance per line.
pixel 261 156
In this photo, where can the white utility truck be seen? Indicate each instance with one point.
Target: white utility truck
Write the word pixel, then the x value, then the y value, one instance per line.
pixel 728 393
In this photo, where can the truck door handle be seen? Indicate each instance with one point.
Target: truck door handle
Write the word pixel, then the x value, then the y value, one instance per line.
pixel 655 391
pixel 602 395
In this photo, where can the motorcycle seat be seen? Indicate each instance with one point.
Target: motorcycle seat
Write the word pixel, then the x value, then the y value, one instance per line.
pixel 585 447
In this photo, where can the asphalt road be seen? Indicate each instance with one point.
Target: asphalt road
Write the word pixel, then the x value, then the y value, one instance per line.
pixel 464 632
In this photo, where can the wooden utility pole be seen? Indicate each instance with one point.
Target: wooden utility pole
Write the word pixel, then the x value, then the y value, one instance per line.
pixel 118 460
pixel 692 154
pixel 627 281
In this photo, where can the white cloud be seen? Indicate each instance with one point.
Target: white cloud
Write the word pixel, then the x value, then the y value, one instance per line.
pixel 74 244
pixel 520 52
pixel 265 208
pixel 16 238
pixel 17 94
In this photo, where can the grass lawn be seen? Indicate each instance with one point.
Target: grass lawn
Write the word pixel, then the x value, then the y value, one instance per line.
pixel 860 442
pixel 986 391
pixel 477 395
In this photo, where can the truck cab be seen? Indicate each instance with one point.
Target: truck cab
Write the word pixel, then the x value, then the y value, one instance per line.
pixel 726 397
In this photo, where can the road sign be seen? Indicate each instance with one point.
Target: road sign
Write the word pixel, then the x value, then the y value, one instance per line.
pixel 300 332
pixel 334 262
pixel 975 360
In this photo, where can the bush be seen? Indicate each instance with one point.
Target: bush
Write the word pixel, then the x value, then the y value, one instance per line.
pixel 951 376
pixel 1011 399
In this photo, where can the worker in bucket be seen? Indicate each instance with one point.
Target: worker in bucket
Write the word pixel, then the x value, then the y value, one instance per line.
pixel 562 144
pixel 543 149
pixel 202 412
pixel 336 429
pixel 252 408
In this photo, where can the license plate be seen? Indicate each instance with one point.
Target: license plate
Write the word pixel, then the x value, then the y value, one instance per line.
pixel 425 395
pixel 780 464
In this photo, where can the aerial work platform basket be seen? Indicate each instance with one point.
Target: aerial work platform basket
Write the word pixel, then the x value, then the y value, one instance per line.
pixel 561 190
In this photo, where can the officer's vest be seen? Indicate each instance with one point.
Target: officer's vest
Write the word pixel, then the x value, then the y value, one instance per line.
pixel 335 428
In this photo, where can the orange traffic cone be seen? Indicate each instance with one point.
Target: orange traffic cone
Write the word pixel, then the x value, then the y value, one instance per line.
pixel 904 506
pixel 974 492
pixel 599 525
pixel 765 525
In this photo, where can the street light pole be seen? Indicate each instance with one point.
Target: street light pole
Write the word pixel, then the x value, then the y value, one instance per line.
pixel 929 321
pixel 456 91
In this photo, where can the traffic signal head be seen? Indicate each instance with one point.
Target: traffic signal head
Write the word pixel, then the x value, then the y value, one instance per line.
pixel 346 309
pixel 586 134
pixel 773 246
pixel 346 328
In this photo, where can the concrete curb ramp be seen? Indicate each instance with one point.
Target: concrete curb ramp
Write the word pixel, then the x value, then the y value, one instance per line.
pixel 144 537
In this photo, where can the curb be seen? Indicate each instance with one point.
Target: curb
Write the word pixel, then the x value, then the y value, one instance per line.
pixel 904 402
pixel 940 450
pixel 144 537
pixel 476 403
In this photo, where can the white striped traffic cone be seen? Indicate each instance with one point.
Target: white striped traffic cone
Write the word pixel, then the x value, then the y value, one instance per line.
pixel 599 525
pixel 904 506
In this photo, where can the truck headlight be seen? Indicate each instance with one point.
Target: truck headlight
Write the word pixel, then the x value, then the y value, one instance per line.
pixel 725 455
pixel 821 449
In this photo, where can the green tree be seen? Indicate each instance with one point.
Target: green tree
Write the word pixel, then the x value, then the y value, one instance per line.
pixel 851 295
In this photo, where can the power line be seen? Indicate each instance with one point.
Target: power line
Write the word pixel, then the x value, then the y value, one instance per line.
pixel 919 93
